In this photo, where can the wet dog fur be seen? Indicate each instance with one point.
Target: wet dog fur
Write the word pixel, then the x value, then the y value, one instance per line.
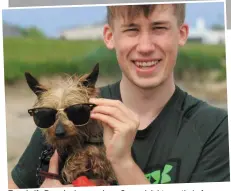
pixel 84 155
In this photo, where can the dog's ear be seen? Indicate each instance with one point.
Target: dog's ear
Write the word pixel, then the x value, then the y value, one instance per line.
pixel 91 79
pixel 34 84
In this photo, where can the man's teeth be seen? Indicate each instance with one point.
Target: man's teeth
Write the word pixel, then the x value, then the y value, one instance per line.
pixel 146 64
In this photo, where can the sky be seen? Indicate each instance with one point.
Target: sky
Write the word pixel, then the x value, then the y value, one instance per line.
pixel 52 21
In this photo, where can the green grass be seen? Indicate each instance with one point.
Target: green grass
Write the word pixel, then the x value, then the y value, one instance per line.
pixel 45 50
pixel 218 50
pixel 44 57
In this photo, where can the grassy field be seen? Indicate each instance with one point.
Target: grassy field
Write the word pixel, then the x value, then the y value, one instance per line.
pixel 47 57
pixel 218 50
pixel 43 50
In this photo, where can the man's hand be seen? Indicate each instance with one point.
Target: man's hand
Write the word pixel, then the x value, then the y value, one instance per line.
pixel 53 168
pixel 120 127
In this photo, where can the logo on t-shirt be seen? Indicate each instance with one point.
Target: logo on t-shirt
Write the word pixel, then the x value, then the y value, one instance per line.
pixel 166 174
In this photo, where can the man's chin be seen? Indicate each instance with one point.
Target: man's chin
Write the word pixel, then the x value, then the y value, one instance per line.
pixel 147 83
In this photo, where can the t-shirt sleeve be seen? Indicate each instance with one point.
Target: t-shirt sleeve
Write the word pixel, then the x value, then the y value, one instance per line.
pixel 213 164
pixel 24 173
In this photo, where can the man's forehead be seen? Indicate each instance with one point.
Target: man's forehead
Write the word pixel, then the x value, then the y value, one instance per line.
pixel 129 14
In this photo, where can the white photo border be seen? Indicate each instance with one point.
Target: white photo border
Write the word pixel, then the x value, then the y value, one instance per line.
pixel 173 187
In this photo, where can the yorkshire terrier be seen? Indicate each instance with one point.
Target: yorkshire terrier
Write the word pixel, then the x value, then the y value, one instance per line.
pixel 62 112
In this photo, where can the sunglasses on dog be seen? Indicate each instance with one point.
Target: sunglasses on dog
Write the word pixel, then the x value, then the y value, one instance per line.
pixel 79 114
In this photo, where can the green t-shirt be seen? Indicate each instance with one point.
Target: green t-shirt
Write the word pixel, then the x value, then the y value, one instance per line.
pixel 187 142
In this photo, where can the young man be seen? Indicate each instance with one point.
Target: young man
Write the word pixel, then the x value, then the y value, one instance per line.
pixel 153 131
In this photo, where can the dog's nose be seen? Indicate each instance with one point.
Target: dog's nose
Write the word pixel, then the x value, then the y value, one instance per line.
pixel 60 131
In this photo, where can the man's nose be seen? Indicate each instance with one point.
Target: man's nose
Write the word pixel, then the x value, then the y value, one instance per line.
pixel 145 44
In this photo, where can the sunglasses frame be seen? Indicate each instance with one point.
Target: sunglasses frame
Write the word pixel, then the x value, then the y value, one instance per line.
pixel 33 111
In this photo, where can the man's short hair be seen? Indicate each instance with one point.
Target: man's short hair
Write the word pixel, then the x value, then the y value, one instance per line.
pixel 131 11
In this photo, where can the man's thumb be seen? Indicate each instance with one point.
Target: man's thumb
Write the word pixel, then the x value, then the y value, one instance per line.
pixel 54 163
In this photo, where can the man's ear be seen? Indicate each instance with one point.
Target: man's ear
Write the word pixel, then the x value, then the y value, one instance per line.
pixel 92 78
pixel 34 84
pixel 184 31
pixel 108 36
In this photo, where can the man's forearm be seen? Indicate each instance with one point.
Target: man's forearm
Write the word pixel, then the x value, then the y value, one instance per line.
pixel 128 173
pixel 11 184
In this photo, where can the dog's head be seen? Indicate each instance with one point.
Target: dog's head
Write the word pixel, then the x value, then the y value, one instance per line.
pixel 62 109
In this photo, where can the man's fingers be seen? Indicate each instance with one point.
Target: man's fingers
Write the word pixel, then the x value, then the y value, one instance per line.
pixel 112 103
pixel 111 111
pixel 108 120
pixel 54 163
pixel 103 101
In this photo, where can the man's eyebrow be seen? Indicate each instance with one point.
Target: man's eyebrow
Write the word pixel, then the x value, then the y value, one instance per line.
pixel 129 25
pixel 153 23
pixel 160 22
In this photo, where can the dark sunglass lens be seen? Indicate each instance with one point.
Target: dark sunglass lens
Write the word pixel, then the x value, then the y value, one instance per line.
pixel 78 114
pixel 44 117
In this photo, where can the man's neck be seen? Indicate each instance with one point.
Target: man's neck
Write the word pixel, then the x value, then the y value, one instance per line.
pixel 147 103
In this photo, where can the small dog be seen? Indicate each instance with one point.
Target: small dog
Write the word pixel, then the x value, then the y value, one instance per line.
pixel 62 112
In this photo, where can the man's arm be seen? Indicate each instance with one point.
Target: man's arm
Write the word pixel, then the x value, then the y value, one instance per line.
pixel 48 183
pixel 128 173
pixel 213 165
pixel 24 173
pixel 120 127
pixel 11 184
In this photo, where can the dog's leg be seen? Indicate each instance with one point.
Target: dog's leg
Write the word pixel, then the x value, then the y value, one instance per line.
pixel 76 165
pixel 99 165
pixel 90 162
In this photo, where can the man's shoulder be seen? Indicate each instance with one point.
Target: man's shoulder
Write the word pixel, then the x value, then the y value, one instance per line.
pixel 204 133
pixel 24 173
pixel 197 108
pixel 205 119
pixel 110 91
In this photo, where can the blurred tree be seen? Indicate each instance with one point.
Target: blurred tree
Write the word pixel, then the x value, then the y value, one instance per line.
pixel 217 27
pixel 32 32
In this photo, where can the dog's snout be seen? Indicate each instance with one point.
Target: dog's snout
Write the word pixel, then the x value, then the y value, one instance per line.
pixel 60 131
